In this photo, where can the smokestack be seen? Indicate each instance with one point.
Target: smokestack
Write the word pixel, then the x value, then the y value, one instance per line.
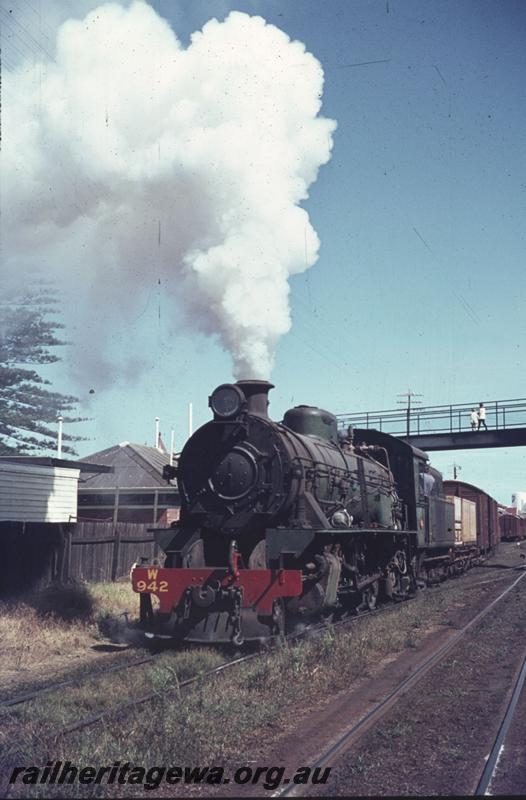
pixel 190 420
pixel 172 447
pixel 157 420
pixel 256 393
pixel 60 420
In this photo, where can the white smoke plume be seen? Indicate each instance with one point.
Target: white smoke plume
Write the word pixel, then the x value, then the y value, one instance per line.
pixel 130 160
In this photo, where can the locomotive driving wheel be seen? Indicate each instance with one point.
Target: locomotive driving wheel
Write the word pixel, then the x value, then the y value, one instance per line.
pixel 398 579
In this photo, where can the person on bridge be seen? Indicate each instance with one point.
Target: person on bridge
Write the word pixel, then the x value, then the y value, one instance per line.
pixel 482 416
pixel 474 419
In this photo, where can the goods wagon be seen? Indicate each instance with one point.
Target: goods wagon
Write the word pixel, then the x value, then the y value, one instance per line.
pixel 488 531
pixel 465 520
pixel 512 527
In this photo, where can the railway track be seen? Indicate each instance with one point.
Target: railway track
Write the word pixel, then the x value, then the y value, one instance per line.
pixel 183 685
pixel 34 694
pixel 122 708
pixel 494 579
pixel 180 686
pixel 490 768
pixel 354 732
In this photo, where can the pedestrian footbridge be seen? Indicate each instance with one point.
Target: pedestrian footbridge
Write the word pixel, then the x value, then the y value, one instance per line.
pixel 448 427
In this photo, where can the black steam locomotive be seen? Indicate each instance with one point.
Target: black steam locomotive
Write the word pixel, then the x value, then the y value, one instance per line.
pixel 288 522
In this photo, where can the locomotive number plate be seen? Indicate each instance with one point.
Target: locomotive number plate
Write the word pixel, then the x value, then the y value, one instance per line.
pixel 151 585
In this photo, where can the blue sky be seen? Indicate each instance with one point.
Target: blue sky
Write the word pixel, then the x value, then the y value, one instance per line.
pixel 420 212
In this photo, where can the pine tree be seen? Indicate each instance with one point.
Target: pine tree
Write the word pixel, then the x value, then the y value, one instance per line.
pixel 28 410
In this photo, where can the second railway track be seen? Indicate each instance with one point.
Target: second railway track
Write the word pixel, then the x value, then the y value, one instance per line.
pixel 491 766
pixel 380 709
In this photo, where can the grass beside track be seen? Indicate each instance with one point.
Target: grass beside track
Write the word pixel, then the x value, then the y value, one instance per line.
pixel 213 722
pixel 45 634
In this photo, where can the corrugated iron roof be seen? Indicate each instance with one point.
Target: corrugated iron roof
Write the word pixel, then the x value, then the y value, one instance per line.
pixel 134 465
pixel 50 461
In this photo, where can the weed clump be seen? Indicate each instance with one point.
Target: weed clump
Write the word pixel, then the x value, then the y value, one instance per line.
pixel 68 602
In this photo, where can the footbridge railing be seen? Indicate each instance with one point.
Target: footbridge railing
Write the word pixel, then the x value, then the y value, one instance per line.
pixel 454 418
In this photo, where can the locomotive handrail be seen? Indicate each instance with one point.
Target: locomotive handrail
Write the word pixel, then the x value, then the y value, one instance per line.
pixel 326 470
pixel 452 418
pixel 378 482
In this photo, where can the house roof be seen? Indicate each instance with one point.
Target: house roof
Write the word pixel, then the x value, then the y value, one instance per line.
pixel 49 461
pixel 134 465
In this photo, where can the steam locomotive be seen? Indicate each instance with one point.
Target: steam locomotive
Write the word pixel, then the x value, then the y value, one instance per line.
pixel 285 523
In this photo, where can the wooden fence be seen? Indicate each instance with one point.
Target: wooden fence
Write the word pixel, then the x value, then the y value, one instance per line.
pixel 33 555
pixel 104 551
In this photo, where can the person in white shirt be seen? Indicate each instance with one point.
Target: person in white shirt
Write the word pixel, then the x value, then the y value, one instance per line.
pixel 427 482
pixel 474 419
pixel 482 416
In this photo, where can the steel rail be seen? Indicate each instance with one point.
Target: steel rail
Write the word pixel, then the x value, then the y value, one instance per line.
pixel 394 695
pixel 155 695
pixel 150 696
pixel 493 757
pixel 31 694
pixel 488 582
pixel 145 698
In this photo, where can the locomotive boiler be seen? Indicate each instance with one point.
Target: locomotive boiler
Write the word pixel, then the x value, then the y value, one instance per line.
pixel 287 522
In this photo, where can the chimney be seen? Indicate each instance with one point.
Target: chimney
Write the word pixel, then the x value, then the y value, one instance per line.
pixel 256 393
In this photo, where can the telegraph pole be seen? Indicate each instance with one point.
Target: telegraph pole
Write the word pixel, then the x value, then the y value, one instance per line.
pixel 456 469
pixel 409 395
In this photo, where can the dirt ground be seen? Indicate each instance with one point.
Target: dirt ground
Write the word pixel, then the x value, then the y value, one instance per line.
pixel 436 739
pixel 510 775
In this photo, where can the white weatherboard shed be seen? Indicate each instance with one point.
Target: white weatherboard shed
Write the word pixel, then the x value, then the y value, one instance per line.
pixel 38 493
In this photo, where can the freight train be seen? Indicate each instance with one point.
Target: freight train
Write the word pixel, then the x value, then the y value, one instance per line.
pixel 512 527
pixel 285 523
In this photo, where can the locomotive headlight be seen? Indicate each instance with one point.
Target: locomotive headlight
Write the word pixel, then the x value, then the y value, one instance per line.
pixel 226 401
